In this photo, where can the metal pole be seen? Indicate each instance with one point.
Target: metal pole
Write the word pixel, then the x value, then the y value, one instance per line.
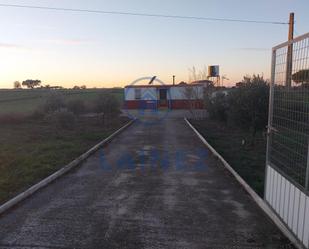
pixel 270 108
pixel 174 79
pixel 289 62
pixel 270 117
pixel 307 171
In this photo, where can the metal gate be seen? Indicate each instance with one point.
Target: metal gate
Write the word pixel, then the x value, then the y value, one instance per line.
pixel 287 170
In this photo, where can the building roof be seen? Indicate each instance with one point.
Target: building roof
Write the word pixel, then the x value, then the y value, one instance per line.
pixel 162 86
pixel 202 82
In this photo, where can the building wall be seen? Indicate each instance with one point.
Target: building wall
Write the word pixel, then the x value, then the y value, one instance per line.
pixel 173 104
pixel 176 96
pixel 174 93
pixel 141 104
pixel 289 202
pixel 179 92
pixel 147 93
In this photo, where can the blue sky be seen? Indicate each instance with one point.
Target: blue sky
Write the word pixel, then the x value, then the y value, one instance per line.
pixel 63 48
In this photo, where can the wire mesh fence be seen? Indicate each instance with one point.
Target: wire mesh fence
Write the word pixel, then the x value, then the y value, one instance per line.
pixel 289 110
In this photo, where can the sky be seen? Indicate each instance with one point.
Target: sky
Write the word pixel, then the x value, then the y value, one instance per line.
pixel 67 49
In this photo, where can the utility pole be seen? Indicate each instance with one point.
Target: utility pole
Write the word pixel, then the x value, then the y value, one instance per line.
pixel 289 64
pixel 174 79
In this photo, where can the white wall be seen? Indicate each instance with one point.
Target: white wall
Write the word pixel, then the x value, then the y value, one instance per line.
pixel 178 92
pixel 151 93
pixel 289 202
pixel 148 93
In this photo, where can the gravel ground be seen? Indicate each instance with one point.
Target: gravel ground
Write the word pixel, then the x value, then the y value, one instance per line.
pixel 154 186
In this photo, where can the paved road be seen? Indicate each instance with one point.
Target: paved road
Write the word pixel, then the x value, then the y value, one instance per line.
pixel 152 187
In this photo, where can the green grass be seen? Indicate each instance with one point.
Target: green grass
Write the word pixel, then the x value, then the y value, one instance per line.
pixel 26 101
pixel 248 159
pixel 32 150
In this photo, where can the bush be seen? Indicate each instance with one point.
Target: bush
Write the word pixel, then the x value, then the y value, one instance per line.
pixel 249 104
pixel 107 104
pixel 54 102
pixel 217 106
pixel 61 119
pixel 245 106
pixel 76 106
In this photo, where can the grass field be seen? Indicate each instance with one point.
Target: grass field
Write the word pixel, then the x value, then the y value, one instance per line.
pixel 26 101
pixel 32 150
pixel 248 160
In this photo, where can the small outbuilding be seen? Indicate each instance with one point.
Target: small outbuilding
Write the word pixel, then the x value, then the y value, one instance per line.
pixel 181 96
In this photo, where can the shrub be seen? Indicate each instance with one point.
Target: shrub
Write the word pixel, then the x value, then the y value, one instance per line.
pixel 245 106
pixel 62 119
pixel 249 104
pixel 54 102
pixel 107 104
pixel 76 106
pixel 217 106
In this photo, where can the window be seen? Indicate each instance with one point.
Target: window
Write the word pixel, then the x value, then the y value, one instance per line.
pixel 138 93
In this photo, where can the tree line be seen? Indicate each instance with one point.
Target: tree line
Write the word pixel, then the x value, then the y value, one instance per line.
pixel 31 84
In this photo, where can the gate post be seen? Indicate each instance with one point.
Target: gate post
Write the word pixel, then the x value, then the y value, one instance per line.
pixel 270 118
pixel 271 101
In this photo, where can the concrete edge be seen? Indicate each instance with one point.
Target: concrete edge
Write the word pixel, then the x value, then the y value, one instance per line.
pixel 257 199
pixel 30 191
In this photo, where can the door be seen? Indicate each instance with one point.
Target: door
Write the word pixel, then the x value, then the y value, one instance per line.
pixel 163 98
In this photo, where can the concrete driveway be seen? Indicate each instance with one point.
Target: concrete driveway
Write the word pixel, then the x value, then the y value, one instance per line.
pixel 154 186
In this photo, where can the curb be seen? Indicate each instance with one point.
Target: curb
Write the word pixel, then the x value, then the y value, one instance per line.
pixel 257 199
pixel 30 191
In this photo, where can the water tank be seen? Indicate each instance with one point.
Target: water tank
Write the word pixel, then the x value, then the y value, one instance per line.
pixel 213 71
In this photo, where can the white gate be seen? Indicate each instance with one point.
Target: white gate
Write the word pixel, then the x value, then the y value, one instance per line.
pixel 287 166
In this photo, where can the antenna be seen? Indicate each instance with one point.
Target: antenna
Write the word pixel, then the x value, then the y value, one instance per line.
pixel 152 80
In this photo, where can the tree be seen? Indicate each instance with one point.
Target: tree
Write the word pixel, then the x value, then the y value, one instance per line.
pixel 245 106
pixel 17 85
pixel 248 103
pixel 301 76
pixel 83 87
pixel 217 105
pixel 31 83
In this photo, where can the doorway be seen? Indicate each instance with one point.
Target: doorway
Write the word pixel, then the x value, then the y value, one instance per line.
pixel 163 102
